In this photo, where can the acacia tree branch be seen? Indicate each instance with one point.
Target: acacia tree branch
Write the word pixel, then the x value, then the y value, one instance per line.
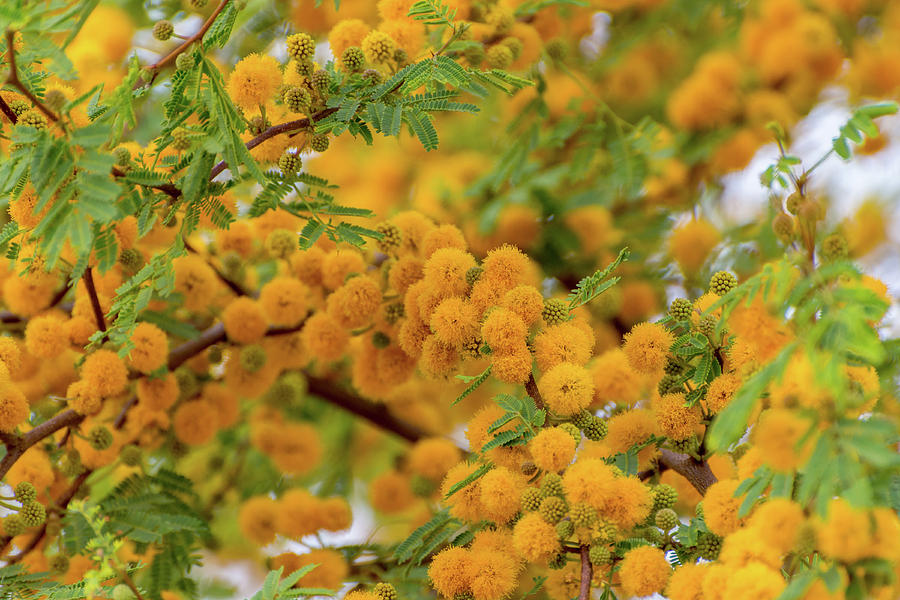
pixel 8 111
pixel 697 472
pixel 531 389
pixel 95 300
pixel 13 78
pixel 171 56
pixel 232 285
pixel 16 446
pixel 587 572
pixel 378 414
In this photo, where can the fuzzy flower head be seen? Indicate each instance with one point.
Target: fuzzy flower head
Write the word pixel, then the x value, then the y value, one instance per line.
pixel 691 244
pixel 258 520
pixel 449 571
pixel 777 436
pixel 465 503
pixel 535 539
pixel 254 81
pixel 284 301
pixel 686 582
pixel 151 348
pixel 355 303
pixel 501 490
pixel 552 449
pixel 778 522
pixel 13 407
pixel 454 322
pixel 565 342
pixel 45 337
pixel 567 388
pixel 506 267
pixel 720 507
pixel 675 420
pixel 195 422
pixel 644 571
pixel 432 458
pixel 446 270
pixel 526 301
pixel 512 367
pixel 104 373
pixel 493 574
pixel 647 347
pixel 244 320
pixel 503 330
pixel 615 380
pixel 324 337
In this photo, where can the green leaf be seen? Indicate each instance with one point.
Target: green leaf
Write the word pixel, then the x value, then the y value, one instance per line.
pixel 473 385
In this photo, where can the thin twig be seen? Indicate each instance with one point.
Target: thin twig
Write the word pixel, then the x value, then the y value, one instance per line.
pixel 171 56
pixel 95 300
pixel 13 78
pixel 232 285
pixel 8 111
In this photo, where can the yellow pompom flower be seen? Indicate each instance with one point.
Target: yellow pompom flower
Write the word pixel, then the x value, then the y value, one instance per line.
pixel 454 322
pixel 464 503
pixel 675 420
pixel 195 422
pixel 720 507
pixel 432 458
pixel 442 236
pixel 298 513
pixel 405 272
pixel 501 491
pixel 755 581
pixel 104 373
pixel 13 407
pixel 338 264
pixel 330 573
pixel 777 436
pixel 629 503
pixel 244 321
pixel 493 575
pixel 630 428
pixel 535 539
pixel 437 358
pixel 284 301
pixel 589 480
pixel 644 571
pixel 355 303
pixel 745 546
pixel 258 520
pixel 254 81
pixel 778 522
pixel 686 582
pixel 45 336
pixel 565 342
pixel 449 571
pixel 691 243
pixel 157 393
pixel 721 391
pixel 552 449
pixel 844 534
pixel 10 354
pixel 346 33
pixel 512 367
pixel 503 330
pixel 391 493
pixel 151 348
pixel 324 337
pixel 505 267
pixel 647 346
pixel 446 271
pixel 567 388
pixel 526 301
pixel 615 380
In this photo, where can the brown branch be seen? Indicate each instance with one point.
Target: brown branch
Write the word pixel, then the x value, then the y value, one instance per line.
pixel 697 472
pixel 378 414
pixel 208 337
pixel 6 110
pixel 273 131
pixel 171 56
pixel 166 188
pixel 587 571
pixel 95 300
pixel 17 447
pixel 13 79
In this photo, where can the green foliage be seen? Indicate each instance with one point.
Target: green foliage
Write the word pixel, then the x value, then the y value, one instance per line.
pixel 473 381
pixel 593 285
pixel 860 127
